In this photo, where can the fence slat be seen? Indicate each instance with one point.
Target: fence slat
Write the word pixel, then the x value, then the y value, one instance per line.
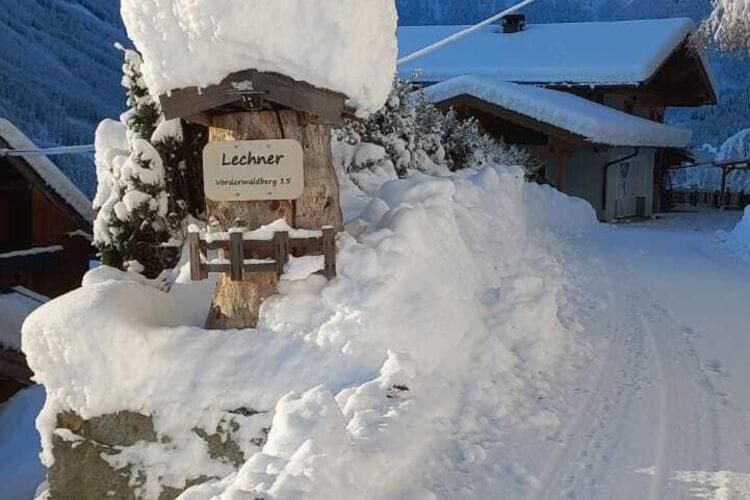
pixel 236 256
pixel 218 268
pixel 260 268
pixel 281 251
pixel 195 256
pixel 278 250
pixel 329 252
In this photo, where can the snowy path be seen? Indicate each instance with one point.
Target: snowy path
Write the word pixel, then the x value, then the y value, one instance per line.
pixel 670 406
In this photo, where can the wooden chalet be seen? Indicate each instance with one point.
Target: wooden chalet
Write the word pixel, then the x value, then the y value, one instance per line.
pixel 587 99
pixel 45 245
pixel 45 221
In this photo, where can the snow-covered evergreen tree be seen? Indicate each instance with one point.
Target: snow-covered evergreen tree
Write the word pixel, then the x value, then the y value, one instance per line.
pixel 411 133
pixel 144 112
pixel 729 24
pixel 133 224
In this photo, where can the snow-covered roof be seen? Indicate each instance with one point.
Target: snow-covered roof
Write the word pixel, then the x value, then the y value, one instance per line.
pixel 593 122
pixel 344 46
pixel 47 170
pixel 15 305
pixel 601 53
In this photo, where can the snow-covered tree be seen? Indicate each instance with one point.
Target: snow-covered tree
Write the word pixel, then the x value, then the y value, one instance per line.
pixel 134 222
pixel 144 112
pixel 411 133
pixel 729 24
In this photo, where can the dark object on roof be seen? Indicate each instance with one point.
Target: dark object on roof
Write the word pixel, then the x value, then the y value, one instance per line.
pixel 514 23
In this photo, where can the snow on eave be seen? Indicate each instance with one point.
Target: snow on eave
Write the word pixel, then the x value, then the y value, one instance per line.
pixel 617 53
pixel 593 122
pixel 48 171
pixel 15 305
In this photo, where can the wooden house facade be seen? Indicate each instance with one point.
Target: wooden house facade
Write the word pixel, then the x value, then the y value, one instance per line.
pixel 588 100
pixel 45 222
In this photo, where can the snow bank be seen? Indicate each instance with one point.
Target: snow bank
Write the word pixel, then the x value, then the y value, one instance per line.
pixel 446 310
pixel 348 47
pixel 594 122
pixel 739 239
pixel 21 471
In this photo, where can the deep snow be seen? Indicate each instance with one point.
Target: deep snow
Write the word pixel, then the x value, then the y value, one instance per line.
pixel 484 335
pixel 348 47
pixel 443 282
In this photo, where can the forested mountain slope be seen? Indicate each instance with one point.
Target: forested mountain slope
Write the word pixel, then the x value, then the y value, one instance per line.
pixel 60 74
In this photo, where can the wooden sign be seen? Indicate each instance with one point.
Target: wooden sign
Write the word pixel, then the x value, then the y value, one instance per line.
pixel 253 170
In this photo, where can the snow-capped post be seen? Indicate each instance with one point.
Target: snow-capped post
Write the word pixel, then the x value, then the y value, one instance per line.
pixel 269 99
pixel 264 161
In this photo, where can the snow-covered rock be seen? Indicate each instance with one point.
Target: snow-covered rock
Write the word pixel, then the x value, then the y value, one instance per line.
pixel 348 47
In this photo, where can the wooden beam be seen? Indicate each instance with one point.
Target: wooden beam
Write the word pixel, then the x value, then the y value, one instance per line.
pixel 326 105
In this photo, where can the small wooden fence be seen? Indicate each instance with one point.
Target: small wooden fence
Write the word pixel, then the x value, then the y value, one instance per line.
pixel 240 255
pixel 710 199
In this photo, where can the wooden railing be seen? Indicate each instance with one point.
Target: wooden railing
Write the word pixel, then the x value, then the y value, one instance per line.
pixel 238 256
pixel 713 199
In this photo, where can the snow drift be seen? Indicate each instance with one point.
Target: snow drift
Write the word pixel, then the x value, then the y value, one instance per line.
pixel 348 47
pixel 738 240
pixel 447 307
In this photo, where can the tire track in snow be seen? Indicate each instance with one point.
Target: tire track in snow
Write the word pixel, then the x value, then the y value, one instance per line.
pixel 595 431
pixel 661 473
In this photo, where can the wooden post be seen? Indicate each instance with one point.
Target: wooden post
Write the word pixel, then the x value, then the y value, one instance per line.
pixel 236 255
pixel 281 251
pixel 237 304
pixel 329 252
pixel 560 173
pixel 724 174
pixel 195 256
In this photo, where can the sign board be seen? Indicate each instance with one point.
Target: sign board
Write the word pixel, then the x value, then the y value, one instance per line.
pixel 253 170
